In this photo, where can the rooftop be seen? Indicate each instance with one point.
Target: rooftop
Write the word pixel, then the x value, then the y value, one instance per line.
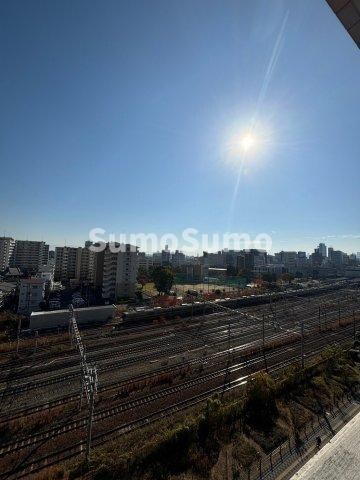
pixel 66 311
pixel 348 12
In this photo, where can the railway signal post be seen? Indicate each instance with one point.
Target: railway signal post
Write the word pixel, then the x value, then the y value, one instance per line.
pixel 302 345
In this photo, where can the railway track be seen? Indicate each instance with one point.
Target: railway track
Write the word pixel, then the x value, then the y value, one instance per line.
pixel 124 406
pixel 211 333
pixel 25 387
pixel 30 467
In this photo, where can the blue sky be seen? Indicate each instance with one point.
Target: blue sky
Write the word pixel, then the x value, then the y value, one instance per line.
pixel 119 115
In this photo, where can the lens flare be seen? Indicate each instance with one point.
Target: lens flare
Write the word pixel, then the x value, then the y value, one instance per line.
pixel 247 142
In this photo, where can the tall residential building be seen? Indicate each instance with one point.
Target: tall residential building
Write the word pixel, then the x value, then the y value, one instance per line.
pixel 30 255
pixel 120 272
pixel 7 245
pixel 98 267
pixel 85 264
pixel 66 260
pixel 31 294
pixel 74 263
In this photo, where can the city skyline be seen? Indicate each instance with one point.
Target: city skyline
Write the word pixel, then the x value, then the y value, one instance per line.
pixel 197 252
pixel 125 120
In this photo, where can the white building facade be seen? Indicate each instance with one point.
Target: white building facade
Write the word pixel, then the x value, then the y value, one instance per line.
pixel 7 245
pixel 29 255
pixel 31 294
pixel 120 273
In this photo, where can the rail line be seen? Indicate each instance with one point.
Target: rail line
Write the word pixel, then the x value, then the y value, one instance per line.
pixel 28 468
pixel 32 440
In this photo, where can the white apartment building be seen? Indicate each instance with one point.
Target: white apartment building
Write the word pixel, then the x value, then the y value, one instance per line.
pixel 29 255
pixel 7 245
pixel 120 273
pixel 31 294
pixel 66 260
pixel 74 263
pixel 85 264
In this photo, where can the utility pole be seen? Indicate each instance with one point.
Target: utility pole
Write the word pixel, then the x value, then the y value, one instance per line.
pixel 227 373
pixel 339 313
pixel 93 390
pixel 36 340
pixel 18 335
pixel 263 342
pixel 319 315
pixel 89 379
pixel 302 345
pixel 325 317
pixel 354 324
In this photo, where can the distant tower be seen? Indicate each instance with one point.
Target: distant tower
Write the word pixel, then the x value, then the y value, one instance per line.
pixel 322 249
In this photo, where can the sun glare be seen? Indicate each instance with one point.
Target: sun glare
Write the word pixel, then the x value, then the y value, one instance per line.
pixel 247 142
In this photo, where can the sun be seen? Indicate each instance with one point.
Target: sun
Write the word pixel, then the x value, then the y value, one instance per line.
pixel 247 142
pixel 243 144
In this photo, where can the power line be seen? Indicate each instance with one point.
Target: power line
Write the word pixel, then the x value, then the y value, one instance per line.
pixel 89 378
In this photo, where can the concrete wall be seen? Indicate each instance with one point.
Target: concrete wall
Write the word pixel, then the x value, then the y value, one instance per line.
pixel 60 318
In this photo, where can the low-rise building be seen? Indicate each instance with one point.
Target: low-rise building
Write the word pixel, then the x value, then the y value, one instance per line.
pixel 31 295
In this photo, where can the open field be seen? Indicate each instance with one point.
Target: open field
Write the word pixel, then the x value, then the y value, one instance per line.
pixel 149 372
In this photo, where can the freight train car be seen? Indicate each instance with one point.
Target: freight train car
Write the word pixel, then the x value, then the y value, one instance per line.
pixel 202 308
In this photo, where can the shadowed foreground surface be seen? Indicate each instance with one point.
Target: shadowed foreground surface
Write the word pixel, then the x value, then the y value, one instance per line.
pixel 340 458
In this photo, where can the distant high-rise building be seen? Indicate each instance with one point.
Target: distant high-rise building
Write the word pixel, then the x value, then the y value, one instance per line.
pixel 165 256
pixel 120 273
pixel 338 258
pixel 289 259
pixel 178 259
pixel 7 245
pixel 30 255
pixel 301 259
pixel 322 249
pixel 145 261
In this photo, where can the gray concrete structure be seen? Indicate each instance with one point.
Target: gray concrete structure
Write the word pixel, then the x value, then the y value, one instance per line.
pixel 60 318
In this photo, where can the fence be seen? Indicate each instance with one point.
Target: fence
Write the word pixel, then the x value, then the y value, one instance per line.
pixel 290 452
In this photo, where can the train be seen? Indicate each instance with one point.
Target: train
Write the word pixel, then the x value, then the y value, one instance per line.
pixel 148 315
